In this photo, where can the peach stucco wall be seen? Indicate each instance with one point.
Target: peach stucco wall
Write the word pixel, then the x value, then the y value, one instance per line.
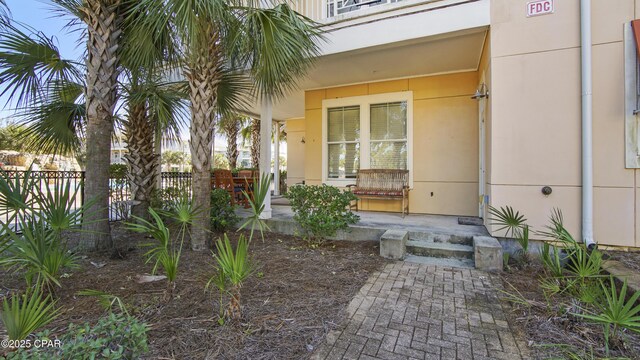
pixel 445 139
pixel 536 116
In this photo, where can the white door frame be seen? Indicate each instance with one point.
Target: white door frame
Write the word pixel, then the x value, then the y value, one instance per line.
pixel 482 103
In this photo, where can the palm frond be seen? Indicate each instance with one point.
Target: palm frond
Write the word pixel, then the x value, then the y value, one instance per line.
pixel 29 63
pixel 277 45
pixel 57 125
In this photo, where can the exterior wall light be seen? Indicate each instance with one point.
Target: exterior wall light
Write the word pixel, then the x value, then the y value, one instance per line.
pixel 482 92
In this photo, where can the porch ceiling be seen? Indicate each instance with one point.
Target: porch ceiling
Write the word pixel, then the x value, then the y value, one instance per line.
pixel 453 52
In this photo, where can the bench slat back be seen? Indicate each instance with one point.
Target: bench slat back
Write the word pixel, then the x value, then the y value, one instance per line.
pixel 382 179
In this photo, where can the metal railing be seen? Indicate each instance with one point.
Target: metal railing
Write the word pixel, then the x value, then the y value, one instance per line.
pixel 173 184
pixel 119 189
pixel 322 9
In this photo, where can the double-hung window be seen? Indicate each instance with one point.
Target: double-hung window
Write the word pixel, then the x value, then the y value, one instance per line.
pixel 368 132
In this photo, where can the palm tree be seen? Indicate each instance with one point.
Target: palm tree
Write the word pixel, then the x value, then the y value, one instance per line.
pixel 251 133
pixel 102 18
pixel 230 125
pixel 273 45
pixel 155 108
pixel 54 106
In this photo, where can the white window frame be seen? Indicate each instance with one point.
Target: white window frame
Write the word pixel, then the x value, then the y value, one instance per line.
pixel 365 103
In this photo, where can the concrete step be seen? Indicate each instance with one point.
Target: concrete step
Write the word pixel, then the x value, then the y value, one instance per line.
pixel 452 238
pixel 439 249
pixel 446 262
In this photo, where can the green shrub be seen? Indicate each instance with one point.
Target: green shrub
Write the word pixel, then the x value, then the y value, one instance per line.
pixel 115 336
pixel 321 210
pixel 223 215
pixel 118 171
pixel 161 198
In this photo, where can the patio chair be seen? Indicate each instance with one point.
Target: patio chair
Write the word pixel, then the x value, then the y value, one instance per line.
pixel 245 174
pixel 223 179
pixel 247 177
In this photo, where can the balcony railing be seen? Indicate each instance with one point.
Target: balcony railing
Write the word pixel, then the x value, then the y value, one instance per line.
pixel 319 10
pixel 339 7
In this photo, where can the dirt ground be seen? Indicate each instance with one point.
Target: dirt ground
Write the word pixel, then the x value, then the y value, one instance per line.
pixel 552 330
pixel 297 295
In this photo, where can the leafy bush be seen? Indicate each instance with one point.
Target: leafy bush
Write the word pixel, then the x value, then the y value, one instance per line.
pixel 115 336
pixel 321 210
pixel 161 198
pixel 223 215
pixel 118 171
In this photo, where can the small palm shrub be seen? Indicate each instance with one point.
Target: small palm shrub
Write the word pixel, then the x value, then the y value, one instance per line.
pixel 22 314
pixel 32 239
pixel 164 251
pixel 582 265
pixel 617 312
pixel 514 225
pixel 321 210
pixel 233 268
pixel 223 215
pixel 261 189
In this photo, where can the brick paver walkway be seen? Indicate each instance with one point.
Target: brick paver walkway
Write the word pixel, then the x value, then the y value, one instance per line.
pixel 413 311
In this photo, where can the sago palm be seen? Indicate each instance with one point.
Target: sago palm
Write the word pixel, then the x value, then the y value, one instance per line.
pixel 272 45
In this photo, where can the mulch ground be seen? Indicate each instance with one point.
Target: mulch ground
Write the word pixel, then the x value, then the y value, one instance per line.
pixel 552 331
pixel 631 259
pixel 297 295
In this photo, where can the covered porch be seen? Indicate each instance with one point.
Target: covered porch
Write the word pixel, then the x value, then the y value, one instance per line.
pixel 373 224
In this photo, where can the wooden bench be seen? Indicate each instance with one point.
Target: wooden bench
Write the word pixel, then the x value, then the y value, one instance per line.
pixel 384 184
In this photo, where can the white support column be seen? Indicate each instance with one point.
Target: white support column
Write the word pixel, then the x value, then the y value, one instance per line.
pixel 276 161
pixel 266 120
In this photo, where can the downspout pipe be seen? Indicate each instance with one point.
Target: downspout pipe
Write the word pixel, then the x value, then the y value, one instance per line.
pixel 587 125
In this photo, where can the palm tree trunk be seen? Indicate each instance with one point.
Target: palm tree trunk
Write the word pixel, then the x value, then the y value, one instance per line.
pixel 231 129
pixel 141 159
pixel 102 26
pixel 203 75
pixel 234 311
pixel 255 143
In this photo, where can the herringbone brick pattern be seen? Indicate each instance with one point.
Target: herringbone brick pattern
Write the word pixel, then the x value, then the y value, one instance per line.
pixel 413 311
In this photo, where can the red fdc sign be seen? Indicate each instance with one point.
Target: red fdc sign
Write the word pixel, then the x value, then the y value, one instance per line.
pixel 542 7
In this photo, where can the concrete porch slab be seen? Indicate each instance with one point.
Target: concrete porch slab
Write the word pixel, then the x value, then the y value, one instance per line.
pixel 373 224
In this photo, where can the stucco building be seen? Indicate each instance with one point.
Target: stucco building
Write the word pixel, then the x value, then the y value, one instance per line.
pixel 482 100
